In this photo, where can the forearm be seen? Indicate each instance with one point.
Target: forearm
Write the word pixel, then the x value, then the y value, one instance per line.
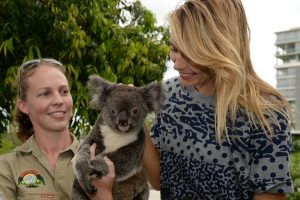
pixel 151 163
pixel 268 196
pixel 105 184
pixel 102 195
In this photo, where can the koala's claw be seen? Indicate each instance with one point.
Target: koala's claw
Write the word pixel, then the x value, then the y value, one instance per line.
pixel 96 174
pixel 90 189
pixel 98 168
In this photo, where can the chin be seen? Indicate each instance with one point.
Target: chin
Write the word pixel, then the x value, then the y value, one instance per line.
pixel 188 82
pixel 60 127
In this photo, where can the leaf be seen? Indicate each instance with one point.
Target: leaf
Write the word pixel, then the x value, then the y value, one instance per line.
pixel 30 53
pixel 38 52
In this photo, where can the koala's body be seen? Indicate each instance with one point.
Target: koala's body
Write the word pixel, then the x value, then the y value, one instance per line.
pixel 119 134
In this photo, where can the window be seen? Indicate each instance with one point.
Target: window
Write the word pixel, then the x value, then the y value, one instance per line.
pixel 288 93
pixel 286 72
pixel 287 82
pixel 290 47
pixel 282 72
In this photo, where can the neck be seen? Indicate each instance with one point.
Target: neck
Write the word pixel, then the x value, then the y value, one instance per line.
pixel 206 88
pixel 53 144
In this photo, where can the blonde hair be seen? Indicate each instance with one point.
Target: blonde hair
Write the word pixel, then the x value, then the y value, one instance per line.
pixel 215 34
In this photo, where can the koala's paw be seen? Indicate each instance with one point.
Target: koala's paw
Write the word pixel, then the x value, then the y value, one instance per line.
pixel 85 184
pixel 90 189
pixel 98 167
pixel 78 193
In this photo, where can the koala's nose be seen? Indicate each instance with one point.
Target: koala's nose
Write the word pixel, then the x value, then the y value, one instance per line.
pixel 123 122
pixel 123 118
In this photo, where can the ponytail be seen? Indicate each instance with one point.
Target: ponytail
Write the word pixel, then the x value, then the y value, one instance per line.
pixel 24 126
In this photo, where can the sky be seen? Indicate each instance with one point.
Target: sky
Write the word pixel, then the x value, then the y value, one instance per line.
pixel 265 17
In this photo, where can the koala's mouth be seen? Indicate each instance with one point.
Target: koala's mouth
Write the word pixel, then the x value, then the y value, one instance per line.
pixel 123 128
pixel 123 122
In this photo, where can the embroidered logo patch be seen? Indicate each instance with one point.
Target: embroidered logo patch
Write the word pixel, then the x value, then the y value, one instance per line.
pixel 31 179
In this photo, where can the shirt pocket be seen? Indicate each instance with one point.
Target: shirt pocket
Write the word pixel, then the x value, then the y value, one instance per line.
pixel 41 193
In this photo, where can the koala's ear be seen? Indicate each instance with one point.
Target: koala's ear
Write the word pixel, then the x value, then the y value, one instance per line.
pixel 98 89
pixel 154 96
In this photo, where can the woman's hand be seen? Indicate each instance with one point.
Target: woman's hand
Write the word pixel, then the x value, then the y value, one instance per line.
pixel 104 184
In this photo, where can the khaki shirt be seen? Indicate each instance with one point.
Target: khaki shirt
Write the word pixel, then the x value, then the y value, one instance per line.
pixel 26 174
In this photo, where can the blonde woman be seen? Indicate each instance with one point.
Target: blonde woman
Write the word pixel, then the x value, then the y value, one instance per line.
pixel 224 132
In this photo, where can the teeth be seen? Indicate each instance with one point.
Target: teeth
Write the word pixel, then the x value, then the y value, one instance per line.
pixel 58 114
pixel 186 75
pixel 123 128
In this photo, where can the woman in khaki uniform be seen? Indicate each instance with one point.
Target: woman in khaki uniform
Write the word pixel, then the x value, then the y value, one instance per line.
pixel 41 168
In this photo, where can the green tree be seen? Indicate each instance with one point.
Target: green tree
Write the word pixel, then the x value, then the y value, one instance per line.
pixel 295 168
pixel 117 39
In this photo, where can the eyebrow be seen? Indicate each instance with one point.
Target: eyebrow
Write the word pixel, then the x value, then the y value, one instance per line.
pixel 46 87
pixel 173 45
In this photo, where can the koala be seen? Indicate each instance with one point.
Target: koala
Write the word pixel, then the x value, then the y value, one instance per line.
pixel 119 135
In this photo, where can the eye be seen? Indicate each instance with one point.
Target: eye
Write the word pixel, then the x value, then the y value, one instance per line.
pixel 113 111
pixel 134 111
pixel 64 92
pixel 173 48
pixel 44 93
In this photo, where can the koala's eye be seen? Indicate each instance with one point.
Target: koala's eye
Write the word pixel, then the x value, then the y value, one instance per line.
pixel 113 111
pixel 134 111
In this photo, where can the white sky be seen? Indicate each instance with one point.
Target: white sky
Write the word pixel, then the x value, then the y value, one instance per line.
pixel 265 17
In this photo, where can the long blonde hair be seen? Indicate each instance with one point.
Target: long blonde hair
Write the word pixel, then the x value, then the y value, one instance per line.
pixel 215 34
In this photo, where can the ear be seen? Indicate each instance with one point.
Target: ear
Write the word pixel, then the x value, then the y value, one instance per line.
pixel 98 90
pixel 153 96
pixel 22 106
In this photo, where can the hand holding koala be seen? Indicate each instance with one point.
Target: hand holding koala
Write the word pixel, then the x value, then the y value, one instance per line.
pixel 118 133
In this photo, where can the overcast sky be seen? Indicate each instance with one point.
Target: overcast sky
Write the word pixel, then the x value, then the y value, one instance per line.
pixel 265 17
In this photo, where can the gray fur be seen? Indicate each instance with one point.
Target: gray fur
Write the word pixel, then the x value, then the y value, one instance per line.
pixel 119 134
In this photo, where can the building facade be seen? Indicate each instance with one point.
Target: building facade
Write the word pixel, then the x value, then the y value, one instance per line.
pixel 288 70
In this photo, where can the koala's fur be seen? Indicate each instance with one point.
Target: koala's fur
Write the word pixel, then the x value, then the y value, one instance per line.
pixel 119 134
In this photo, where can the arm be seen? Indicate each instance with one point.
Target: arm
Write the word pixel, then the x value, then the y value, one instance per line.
pixel 105 184
pixel 268 196
pixel 8 188
pixel 151 162
pixel 270 169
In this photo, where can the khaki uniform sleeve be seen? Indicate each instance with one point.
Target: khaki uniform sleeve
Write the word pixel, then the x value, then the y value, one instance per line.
pixel 8 189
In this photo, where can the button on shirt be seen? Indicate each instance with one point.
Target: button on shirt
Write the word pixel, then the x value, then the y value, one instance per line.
pixel 26 173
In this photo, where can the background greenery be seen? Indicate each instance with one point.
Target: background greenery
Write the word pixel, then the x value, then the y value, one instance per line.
pixel 295 168
pixel 117 39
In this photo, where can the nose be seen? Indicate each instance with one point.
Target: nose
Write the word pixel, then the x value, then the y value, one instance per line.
pixel 179 62
pixel 123 118
pixel 57 98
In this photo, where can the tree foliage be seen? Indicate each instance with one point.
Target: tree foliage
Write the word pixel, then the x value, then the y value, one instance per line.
pixel 117 39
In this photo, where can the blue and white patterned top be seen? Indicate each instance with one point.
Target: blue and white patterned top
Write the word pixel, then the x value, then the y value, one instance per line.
pixel 193 165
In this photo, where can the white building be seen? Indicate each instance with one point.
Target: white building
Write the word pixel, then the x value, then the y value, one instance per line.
pixel 288 69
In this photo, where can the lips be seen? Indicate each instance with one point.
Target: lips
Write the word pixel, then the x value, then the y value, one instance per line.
pixel 124 128
pixel 57 114
pixel 186 75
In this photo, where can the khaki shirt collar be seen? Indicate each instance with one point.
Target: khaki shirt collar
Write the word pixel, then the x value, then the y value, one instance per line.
pixel 31 146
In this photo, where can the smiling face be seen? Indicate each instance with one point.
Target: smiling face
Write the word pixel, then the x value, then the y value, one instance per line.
pixel 189 74
pixel 48 100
